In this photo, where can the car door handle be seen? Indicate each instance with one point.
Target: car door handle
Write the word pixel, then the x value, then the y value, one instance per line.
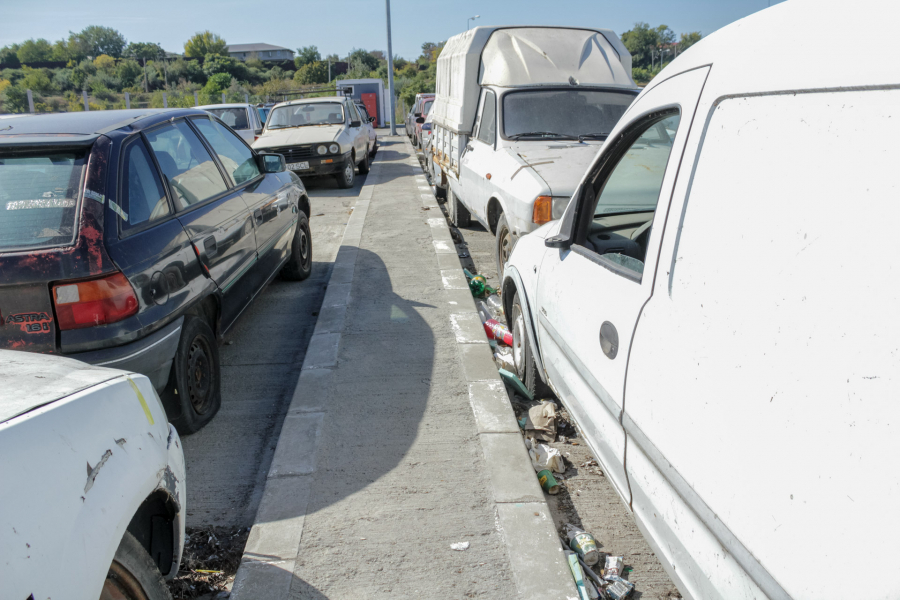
pixel 257 214
pixel 210 247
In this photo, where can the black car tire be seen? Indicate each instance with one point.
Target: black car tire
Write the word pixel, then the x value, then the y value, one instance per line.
pixel 374 149
pixel 459 214
pixel 299 265
pixel 347 177
pixel 503 245
pixel 523 354
pixel 133 574
pixel 364 164
pixel 194 380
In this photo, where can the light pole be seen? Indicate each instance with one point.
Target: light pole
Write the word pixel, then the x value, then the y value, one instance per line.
pixel 472 19
pixel 390 70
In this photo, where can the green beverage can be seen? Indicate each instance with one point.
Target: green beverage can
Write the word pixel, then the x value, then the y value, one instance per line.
pixel 548 481
pixel 586 546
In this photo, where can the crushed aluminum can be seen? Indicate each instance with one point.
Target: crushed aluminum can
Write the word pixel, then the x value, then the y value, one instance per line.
pixel 613 568
pixel 619 589
pixel 584 544
pixel 548 482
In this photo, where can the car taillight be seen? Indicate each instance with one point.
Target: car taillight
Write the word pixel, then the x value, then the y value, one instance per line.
pixel 94 302
pixel 543 210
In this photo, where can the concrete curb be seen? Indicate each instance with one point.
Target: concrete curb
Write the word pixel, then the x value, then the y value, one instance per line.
pixel 267 566
pixel 539 567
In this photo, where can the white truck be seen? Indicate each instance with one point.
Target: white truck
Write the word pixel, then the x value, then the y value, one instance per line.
pixel 520 113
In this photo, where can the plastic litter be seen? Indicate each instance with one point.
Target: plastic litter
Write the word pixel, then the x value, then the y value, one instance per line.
pixel 584 544
pixel 459 546
pixel 545 457
pixel 478 285
pixel 495 305
pixel 495 329
pixel 540 421
pixel 504 358
pixel 515 383
pixel 548 482
pixel 614 566
pixel 577 575
pixel 619 588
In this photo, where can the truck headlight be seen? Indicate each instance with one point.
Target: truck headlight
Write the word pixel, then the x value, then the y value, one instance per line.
pixel 559 207
pixel 548 209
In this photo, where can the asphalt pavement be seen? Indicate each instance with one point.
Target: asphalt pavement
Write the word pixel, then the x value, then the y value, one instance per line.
pixel 228 459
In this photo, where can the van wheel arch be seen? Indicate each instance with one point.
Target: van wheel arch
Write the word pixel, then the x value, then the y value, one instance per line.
pixel 494 210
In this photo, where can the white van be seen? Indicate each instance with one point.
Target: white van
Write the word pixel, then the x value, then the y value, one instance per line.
pixel 520 113
pixel 729 356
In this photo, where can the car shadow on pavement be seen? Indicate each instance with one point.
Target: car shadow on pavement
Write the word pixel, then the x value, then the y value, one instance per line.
pixel 369 417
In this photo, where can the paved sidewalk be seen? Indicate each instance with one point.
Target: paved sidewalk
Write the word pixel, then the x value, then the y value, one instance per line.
pixel 399 440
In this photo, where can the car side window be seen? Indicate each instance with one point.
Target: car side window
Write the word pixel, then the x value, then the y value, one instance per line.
pixel 354 114
pixel 618 228
pixel 190 171
pixel 487 129
pixel 235 156
pixel 143 197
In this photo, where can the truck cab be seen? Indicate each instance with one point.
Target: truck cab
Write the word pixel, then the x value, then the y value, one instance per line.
pixel 520 113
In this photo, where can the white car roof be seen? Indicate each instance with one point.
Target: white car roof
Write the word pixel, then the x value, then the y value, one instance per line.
pixel 209 106
pixel 831 34
pixel 30 380
pixel 312 100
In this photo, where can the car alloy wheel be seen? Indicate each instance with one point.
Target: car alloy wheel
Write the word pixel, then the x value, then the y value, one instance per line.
pixel 348 173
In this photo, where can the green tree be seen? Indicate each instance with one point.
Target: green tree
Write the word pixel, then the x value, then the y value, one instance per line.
pixel 15 99
pixel 306 55
pixel 8 56
pixel 215 63
pixel 129 72
pixel 687 40
pixel 642 41
pixel 37 80
pixel 101 40
pixel 215 85
pixel 104 62
pixel 205 43
pixel 144 51
pixel 32 51
pixel 312 73
pixel 362 62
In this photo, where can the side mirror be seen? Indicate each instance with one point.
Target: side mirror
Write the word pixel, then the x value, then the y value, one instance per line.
pixel 566 234
pixel 271 163
pixel 355 124
pixel 558 241
pixel 420 120
pixel 257 131
pixel 371 119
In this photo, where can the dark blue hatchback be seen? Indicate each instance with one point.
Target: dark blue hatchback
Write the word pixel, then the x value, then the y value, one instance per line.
pixel 134 239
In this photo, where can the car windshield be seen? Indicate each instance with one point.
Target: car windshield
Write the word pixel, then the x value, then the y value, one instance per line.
pixel 236 118
pixel 39 198
pixel 263 113
pixel 301 115
pixel 568 113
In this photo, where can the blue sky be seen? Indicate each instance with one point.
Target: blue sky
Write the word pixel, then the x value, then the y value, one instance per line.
pixel 339 25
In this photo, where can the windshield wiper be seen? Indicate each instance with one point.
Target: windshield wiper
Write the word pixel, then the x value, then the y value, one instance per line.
pixel 602 134
pixel 542 134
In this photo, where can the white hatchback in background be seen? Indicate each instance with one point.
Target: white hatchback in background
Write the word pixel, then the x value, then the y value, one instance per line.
pixel 701 313
pixel 243 118
pixel 93 482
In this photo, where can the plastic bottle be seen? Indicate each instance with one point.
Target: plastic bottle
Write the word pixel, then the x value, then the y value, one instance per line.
pixel 494 329
pixel 494 304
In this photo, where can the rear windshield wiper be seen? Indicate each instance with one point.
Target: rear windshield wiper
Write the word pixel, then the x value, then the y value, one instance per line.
pixel 542 134
pixel 601 135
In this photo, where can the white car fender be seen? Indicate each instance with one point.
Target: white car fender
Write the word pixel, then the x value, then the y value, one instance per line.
pixel 75 473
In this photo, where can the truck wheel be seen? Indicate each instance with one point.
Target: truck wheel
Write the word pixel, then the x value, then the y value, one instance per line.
pixel 503 245
pixel 299 265
pixel 133 575
pixel 459 214
pixel 347 177
pixel 364 165
pixel 194 381
pixel 523 357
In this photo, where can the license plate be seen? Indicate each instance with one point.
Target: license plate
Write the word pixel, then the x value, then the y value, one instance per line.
pixel 300 166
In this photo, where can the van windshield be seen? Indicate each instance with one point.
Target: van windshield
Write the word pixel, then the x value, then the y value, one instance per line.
pixel 301 115
pixel 39 198
pixel 563 113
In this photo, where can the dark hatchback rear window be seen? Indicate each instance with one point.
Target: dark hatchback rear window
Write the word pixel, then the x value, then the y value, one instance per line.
pixel 39 198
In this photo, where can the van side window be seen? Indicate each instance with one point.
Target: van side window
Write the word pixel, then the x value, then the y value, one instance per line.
pixel 619 228
pixel 143 197
pixel 233 153
pixel 487 129
pixel 191 172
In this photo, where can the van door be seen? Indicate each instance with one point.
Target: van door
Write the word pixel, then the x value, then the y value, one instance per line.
pixel 590 295
pixel 215 216
pixel 480 158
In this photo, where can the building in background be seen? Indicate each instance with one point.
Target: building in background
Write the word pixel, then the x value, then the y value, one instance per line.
pixel 370 92
pixel 261 51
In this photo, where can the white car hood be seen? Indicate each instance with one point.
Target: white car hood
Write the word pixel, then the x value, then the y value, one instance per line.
pixel 559 163
pixel 295 136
